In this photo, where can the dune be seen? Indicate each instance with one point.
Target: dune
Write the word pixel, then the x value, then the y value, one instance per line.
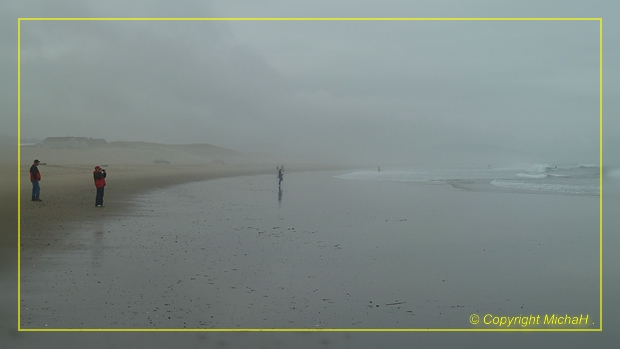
pixel 127 153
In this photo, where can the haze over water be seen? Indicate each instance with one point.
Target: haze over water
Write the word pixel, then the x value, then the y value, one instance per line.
pixel 567 179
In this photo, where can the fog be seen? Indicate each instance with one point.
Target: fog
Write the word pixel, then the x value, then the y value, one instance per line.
pixel 466 92
pixel 376 92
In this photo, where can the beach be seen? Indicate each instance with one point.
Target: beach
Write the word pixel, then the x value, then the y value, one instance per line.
pixel 441 176
pixel 220 246
pixel 68 191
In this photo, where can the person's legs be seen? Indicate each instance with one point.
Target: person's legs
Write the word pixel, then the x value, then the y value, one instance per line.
pixel 99 197
pixel 36 190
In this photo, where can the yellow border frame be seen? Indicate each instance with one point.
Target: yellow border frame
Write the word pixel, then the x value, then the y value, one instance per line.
pixel 600 20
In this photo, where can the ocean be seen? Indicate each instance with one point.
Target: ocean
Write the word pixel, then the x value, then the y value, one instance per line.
pixel 566 179
pixel 400 248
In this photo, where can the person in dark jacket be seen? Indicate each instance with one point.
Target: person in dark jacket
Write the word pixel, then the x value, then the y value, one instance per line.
pixel 35 177
pixel 280 175
pixel 99 176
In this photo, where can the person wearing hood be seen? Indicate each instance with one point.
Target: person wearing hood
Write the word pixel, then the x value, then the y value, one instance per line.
pixel 99 176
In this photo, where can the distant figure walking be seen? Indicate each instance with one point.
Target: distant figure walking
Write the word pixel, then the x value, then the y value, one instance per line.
pixel 378 169
pixel 99 175
pixel 280 174
pixel 35 177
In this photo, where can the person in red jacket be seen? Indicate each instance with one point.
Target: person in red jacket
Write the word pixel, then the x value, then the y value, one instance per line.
pixel 35 177
pixel 99 176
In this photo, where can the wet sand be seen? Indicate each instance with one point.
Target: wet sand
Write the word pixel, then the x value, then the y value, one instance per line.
pixel 68 191
pixel 323 253
pixel 48 228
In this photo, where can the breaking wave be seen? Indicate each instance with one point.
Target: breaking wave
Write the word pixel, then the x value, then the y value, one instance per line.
pixel 573 179
pixel 529 175
pixel 547 187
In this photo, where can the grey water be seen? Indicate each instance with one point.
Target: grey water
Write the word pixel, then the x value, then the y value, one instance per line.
pixel 563 179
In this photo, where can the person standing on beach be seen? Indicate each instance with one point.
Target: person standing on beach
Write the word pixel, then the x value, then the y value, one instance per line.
pixel 280 174
pixel 99 176
pixel 35 177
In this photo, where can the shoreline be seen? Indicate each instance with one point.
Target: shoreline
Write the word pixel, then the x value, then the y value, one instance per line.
pixel 333 254
pixel 68 193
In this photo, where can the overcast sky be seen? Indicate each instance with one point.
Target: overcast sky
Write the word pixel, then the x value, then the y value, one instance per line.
pixel 399 90
pixel 376 90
